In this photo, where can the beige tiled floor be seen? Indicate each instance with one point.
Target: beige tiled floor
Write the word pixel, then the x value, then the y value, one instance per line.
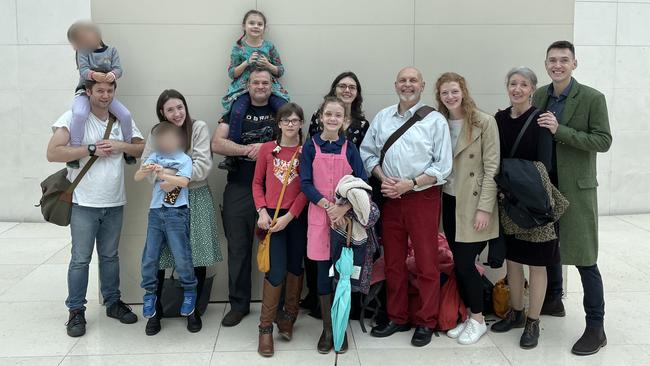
pixel 33 261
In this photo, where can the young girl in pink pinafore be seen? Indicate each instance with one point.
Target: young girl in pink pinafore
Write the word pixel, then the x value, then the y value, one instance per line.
pixel 325 159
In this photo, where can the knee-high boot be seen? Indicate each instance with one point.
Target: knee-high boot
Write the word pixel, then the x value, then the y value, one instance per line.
pixel 292 291
pixel 270 299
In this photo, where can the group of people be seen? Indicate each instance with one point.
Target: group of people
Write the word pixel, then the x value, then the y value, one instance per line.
pixel 421 166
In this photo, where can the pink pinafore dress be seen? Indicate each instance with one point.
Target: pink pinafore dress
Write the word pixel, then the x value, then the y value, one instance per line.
pixel 328 169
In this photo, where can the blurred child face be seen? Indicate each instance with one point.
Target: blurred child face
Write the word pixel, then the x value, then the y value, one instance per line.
pixel 168 142
pixel 254 25
pixel 86 39
pixel 290 126
pixel 332 117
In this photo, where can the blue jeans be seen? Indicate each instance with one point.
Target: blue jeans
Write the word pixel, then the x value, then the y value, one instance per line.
pixel 169 225
pixel 87 226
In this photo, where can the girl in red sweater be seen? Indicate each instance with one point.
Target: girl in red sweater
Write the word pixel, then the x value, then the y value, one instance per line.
pixel 289 238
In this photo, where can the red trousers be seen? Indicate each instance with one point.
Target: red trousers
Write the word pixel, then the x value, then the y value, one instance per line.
pixel 416 216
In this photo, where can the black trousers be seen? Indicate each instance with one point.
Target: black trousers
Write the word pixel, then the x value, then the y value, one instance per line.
pixel 592 284
pixel 239 221
pixel 470 285
pixel 554 282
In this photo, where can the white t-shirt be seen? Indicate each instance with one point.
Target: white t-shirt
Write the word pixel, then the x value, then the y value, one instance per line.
pixel 103 184
pixel 455 126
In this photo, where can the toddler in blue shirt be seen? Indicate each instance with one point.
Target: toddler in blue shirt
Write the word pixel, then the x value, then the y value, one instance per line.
pixel 169 220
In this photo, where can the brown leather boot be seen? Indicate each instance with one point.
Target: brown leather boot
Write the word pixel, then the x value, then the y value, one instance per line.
pixel 270 300
pixel 326 341
pixel 292 291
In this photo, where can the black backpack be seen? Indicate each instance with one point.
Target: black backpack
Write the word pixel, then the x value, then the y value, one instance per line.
pixel 523 195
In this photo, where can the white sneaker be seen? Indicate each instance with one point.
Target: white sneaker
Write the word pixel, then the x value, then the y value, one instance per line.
pixel 472 333
pixel 454 333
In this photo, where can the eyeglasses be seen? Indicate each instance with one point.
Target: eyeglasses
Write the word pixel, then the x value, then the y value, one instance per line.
pixel 346 86
pixel 290 122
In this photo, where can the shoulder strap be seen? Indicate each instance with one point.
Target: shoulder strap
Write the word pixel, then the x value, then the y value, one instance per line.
pixel 84 170
pixel 285 183
pixel 418 116
pixel 521 133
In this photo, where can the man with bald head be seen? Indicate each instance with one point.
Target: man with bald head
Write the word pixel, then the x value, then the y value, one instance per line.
pixel 412 164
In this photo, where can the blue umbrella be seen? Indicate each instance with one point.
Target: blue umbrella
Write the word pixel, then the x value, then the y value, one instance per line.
pixel 341 304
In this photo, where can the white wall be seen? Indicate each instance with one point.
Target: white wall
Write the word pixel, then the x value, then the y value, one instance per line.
pixel 613 49
pixel 37 80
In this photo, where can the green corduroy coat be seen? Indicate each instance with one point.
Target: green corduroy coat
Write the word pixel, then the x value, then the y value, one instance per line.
pixel 583 131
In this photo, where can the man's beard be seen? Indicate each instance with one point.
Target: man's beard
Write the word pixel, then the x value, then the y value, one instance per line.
pixel 409 98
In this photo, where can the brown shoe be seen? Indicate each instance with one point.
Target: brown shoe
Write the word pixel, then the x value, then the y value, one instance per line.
pixel 270 300
pixel 292 290
pixel 326 341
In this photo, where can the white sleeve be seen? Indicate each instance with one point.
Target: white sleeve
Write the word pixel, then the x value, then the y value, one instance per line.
pixel 136 131
pixel 63 121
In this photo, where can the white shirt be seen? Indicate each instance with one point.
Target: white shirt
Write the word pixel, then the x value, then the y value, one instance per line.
pixel 103 184
pixel 455 126
pixel 424 149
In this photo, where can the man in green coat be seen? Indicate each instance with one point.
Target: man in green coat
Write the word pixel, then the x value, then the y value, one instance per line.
pixel 577 117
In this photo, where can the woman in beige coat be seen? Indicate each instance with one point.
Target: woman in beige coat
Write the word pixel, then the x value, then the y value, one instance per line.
pixel 469 205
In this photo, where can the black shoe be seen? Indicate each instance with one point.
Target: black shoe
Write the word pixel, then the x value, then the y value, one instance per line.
pixel 388 329
pixel 554 308
pixel 422 336
pixel 74 164
pixel 122 312
pixel 233 318
pixel 129 159
pixel 513 319
pixel 76 325
pixel 194 323
pixel 531 334
pixel 153 326
pixel 592 340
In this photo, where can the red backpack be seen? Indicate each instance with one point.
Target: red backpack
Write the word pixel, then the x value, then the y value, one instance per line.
pixel 451 306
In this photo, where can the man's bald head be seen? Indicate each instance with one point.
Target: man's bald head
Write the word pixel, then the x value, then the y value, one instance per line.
pixel 410 70
pixel 409 85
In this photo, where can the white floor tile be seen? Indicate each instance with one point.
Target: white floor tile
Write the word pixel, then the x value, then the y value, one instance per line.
pixel 194 359
pixel 30 361
pixel 106 336
pixel 642 221
pixel 4 226
pixel 34 329
pixel 29 250
pixel 48 282
pixel 614 355
pixel 469 355
pixel 284 358
pixel 36 230
pixel 243 337
pixel 63 256
pixel 10 274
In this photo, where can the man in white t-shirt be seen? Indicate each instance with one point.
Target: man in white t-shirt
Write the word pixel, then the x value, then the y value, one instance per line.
pixel 98 203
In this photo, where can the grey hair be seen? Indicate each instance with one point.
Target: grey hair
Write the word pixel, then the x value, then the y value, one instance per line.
pixel 525 72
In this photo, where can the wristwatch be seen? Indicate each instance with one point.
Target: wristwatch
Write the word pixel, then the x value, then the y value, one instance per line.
pixel 326 206
pixel 260 209
pixel 415 183
pixel 91 149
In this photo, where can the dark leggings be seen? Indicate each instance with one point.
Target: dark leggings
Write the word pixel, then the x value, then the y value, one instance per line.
pixel 470 285
pixel 324 280
pixel 287 249
pixel 199 272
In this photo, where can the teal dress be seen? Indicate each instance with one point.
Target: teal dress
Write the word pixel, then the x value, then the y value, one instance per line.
pixel 241 52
